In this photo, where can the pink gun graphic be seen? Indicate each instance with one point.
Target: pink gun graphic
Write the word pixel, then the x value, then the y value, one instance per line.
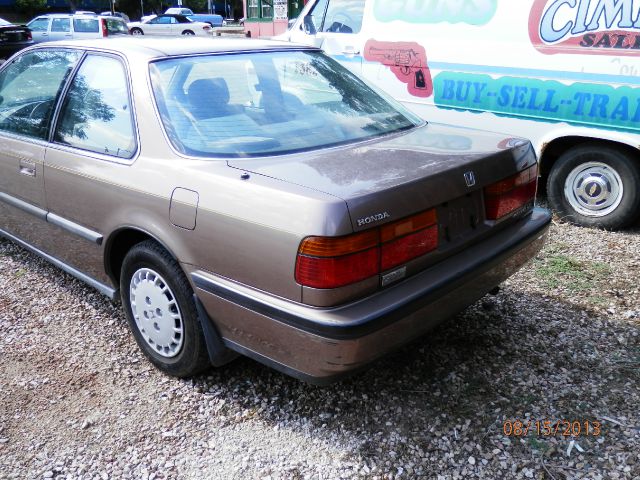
pixel 407 60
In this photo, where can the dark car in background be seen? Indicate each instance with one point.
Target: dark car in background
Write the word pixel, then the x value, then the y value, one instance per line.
pixel 13 38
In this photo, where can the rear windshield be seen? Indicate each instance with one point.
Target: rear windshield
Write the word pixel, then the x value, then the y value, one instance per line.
pixel 85 25
pixel 258 104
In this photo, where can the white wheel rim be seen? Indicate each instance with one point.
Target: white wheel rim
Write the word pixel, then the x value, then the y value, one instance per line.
pixel 156 312
pixel 594 189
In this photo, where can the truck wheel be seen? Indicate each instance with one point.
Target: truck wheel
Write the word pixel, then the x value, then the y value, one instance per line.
pixel 158 303
pixel 596 186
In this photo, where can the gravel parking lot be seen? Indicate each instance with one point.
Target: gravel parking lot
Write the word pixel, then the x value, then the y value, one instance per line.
pixel 560 342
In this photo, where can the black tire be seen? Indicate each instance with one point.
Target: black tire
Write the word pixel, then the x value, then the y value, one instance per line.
pixel 607 164
pixel 188 32
pixel 192 356
pixel 137 31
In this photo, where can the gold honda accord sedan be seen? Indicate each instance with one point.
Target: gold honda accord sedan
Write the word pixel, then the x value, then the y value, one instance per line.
pixel 253 197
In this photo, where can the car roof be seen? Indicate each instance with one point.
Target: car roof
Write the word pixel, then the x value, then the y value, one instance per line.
pixel 73 15
pixel 154 47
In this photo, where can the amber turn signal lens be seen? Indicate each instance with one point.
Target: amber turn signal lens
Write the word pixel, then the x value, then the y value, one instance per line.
pixel 337 246
pixel 408 225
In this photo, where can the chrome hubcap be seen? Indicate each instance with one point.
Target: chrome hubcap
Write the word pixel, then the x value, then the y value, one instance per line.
pixel 594 189
pixel 156 312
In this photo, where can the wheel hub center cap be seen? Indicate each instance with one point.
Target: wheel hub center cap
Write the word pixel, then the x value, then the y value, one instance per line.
pixel 595 188
pixel 156 312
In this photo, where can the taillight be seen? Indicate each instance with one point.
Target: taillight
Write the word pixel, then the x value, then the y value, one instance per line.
pixel 508 195
pixel 29 36
pixel 105 31
pixel 332 262
pixel 206 28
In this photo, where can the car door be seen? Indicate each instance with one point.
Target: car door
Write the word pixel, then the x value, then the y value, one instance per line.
pixel 29 89
pixel 334 26
pixel 161 25
pixel 60 29
pixel 93 146
pixel 39 29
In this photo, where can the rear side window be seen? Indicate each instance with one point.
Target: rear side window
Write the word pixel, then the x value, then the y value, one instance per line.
pixel 39 25
pixel 61 25
pixel 96 114
pixel 86 25
pixel 116 26
pixel 29 88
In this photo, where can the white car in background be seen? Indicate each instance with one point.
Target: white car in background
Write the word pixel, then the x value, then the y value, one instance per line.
pixel 170 24
pixel 179 11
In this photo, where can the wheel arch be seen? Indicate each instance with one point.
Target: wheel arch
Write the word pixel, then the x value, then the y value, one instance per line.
pixel 120 242
pixel 553 149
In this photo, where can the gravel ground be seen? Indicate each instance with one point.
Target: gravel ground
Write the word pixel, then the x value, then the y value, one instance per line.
pixel 561 341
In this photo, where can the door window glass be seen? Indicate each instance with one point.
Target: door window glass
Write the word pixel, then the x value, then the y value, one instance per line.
pixel 39 25
pixel 61 25
pixel 344 16
pixel 115 25
pixel 85 25
pixel 29 88
pixel 96 114
pixel 313 21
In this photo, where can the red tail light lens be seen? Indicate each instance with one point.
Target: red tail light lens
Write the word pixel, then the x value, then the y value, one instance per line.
pixel 29 36
pixel 332 262
pixel 408 238
pixel 404 249
pixel 506 196
pixel 105 31
pixel 334 272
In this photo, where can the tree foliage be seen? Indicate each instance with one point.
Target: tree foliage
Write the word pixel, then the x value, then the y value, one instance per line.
pixel 31 7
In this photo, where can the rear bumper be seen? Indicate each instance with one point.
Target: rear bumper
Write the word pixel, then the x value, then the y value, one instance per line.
pixel 321 344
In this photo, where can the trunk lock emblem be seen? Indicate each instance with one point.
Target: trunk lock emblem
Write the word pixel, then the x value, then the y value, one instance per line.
pixel 470 178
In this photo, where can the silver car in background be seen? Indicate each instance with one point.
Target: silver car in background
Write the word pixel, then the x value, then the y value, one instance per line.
pixel 254 197
pixel 62 26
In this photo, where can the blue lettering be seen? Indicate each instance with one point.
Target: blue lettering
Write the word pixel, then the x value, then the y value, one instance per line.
pixel 479 87
pixel 548 102
pixel 532 100
pixel 547 31
pixel 518 97
pixel 636 117
pixel 581 97
pixel 505 92
pixel 622 110
pixel 460 95
pixel 581 17
pixel 599 106
pixel 610 9
pixel 448 89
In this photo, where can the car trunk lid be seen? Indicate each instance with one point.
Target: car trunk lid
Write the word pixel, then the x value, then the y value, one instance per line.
pixel 397 176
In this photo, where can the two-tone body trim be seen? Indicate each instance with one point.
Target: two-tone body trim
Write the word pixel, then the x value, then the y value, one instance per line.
pixel 359 318
pixel 106 290
pixel 52 218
